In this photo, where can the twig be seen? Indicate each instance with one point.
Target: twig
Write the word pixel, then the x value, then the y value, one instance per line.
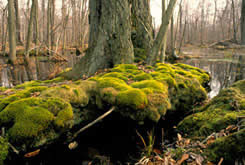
pixel 92 123
pixel 13 148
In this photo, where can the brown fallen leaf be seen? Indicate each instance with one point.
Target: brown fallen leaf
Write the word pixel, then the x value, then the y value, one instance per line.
pixel 32 154
pixel 183 158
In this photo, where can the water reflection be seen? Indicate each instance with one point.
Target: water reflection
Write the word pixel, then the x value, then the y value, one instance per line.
pixel 223 72
pixel 39 68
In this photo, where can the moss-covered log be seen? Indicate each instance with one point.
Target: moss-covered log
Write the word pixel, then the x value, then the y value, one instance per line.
pixel 38 112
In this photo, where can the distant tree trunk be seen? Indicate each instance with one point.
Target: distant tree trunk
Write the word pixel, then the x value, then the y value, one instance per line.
pixel 234 20
pixel 164 44
pixel 243 23
pixel 30 29
pixel 36 39
pixel 160 36
pixel 43 20
pixel 17 19
pixel 12 31
pixel 48 26
pixel 172 36
pixel 142 29
pixel 4 32
pixel 110 37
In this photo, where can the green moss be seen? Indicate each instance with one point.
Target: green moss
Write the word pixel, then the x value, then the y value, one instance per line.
pixel 31 116
pixel 77 95
pixel 116 83
pixel 19 95
pixel 28 84
pixel 3 149
pixel 109 95
pixel 156 86
pixel 193 72
pixel 143 76
pixel 116 75
pixel 133 98
pixel 55 80
pixel 231 148
pixel 218 114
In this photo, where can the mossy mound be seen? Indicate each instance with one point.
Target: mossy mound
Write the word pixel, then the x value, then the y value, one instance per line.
pixel 38 112
pixel 20 95
pixel 221 112
pixel 28 118
pixel 3 149
pixel 77 94
pixel 231 148
pixel 175 91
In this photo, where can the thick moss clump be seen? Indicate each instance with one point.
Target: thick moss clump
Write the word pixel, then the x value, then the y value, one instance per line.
pixel 216 116
pixel 77 94
pixel 133 98
pixel 219 113
pixel 159 88
pixel 20 95
pixel 3 149
pixel 231 148
pixel 28 118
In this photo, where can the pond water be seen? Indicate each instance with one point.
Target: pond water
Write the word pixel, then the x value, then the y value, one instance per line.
pixel 224 71
pixel 40 68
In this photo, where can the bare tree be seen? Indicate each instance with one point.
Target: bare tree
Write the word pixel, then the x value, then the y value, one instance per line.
pixel 243 23
pixel 12 31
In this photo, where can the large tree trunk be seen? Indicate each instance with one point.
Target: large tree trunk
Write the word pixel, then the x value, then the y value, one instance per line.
pixel 243 23
pixel 12 31
pixel 17 19
pixel 110 37
pixel 153 54
pixel 142 29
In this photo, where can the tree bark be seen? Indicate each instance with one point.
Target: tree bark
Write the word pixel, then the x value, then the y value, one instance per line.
pixel 243 23
pixel 142 29
pixel 162 32
pixel 17 19
pixel 164 44
pixel 234 20
pixel 12 31
pixel 110 37
pixel 30 29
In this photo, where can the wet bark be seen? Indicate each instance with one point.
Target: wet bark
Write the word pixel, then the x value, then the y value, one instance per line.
pixel 110 37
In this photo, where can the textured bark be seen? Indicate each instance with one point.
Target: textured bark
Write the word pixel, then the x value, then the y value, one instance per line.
pixel 142 29
pixel 164 44
pixel 12 31
pixel 110 37
pixel 17 19
pixel 160 36
pixel 243 23
pixel 30 28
